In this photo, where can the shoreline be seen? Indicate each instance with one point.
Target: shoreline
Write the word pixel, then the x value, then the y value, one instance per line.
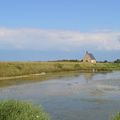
pixel 47 75
pixel 21 76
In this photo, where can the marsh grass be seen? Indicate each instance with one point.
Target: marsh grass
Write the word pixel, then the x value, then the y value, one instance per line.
pixel 19 110
pixel 8 69
pixel 117 116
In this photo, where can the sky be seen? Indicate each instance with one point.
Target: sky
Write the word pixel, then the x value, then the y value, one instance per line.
pixel 42 30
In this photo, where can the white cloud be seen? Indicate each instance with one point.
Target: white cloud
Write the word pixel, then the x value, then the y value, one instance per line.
pixel 38 39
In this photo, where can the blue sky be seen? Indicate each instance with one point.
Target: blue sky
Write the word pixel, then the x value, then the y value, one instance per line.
pixel 64 29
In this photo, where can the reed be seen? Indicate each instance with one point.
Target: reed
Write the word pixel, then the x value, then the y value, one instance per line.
pixel 8 69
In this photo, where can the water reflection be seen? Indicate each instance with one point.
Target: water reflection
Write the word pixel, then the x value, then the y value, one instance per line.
pixel 80 96
pixel 90 83
pixel 88 76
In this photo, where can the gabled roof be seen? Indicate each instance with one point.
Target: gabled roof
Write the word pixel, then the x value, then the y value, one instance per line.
pixel 91 56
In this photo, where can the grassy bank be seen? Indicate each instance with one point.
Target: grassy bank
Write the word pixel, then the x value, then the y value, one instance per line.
pixel 8 69
pixel 20 110
pixel 117 116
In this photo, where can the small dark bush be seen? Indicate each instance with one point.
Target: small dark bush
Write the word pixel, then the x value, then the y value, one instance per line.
pixel 105 61
pixel 117 61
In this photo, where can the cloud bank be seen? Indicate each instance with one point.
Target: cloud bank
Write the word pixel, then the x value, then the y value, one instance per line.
pixel 40 39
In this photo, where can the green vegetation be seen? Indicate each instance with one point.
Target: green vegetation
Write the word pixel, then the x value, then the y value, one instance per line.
pixel 77 66
pixel 58 66
pixel 117 61
pixel 117 117
pixel 8 69
pixel 19 110
pixel 74 60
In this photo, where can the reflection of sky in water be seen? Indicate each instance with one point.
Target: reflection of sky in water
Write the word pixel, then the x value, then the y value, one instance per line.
pixel 81 97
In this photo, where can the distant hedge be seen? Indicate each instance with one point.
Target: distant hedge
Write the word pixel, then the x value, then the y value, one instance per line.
pixel 20 110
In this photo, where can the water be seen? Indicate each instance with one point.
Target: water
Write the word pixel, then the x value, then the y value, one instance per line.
pixel 83 96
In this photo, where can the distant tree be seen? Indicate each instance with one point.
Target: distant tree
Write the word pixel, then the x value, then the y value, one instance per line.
pixel 81 60
pixel 65 60
pixel 105 61
pixel 117 61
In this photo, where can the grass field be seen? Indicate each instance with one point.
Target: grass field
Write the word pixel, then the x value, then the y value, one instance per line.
pixel 8 69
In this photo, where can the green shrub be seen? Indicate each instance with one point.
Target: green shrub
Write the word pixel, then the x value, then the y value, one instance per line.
pixel 117 117
pixel 117 61
pixel 19 110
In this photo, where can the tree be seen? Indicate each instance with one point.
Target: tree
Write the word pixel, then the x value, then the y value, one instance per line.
pixel 117 61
